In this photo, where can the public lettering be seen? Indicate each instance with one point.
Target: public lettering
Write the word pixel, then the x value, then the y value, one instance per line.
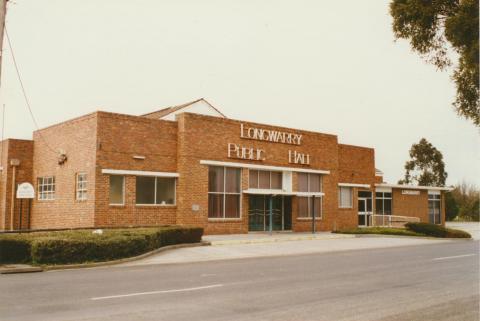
pixel 268 135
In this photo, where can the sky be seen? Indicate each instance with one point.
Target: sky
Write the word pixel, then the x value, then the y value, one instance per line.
pixel 325 66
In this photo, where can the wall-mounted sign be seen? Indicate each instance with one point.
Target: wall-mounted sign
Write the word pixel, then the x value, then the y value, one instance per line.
pixel 408 192
pixel 25 190
pixel 295 157
pixel 269 135
pixel 195 207
pixel 248 153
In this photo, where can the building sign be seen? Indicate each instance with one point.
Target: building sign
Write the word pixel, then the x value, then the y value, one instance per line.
pixel 269 135
pixel 295 157
pixel 408 192
pixel 25 190
pixel 248 153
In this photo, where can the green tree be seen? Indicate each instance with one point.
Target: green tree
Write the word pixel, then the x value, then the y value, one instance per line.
pixel 451 207
pixel 425 167
pixel 467 198
pixel 432 26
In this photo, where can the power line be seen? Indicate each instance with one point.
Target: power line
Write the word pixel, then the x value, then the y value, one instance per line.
pixel 24 92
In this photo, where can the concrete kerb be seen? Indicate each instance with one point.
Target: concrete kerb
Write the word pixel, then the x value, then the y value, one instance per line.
pixel 31 269
pixel 279 239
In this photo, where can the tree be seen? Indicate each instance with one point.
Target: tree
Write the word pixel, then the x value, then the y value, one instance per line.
pixel 431 25
pixel 463 202
pixel 451 207
pixel 425 167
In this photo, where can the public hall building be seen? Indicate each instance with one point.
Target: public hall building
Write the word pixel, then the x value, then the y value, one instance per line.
pixel 191 165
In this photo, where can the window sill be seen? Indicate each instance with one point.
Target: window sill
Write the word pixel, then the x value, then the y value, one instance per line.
pixel 221 220
pixel 116 205
pixel 309 218
pixel 156 205
pixel 345 208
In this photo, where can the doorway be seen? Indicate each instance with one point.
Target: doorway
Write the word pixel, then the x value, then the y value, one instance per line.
pixel 364 208
pixel 259 213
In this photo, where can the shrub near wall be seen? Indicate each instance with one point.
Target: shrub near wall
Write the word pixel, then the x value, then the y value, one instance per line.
pixel 73 247
pixel 436 230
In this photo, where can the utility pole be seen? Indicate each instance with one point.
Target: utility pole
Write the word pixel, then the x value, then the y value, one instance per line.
pixel 3 13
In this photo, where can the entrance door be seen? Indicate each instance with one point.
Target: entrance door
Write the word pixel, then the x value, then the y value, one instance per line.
pixel 259 213
pixel 364 208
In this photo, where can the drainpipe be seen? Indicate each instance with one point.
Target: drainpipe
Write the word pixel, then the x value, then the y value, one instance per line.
pixel 271 215
pixel 14 163
pixel 313 215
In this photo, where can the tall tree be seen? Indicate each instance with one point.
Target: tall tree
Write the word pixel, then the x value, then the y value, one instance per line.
pixel 425 167
pixel 433 25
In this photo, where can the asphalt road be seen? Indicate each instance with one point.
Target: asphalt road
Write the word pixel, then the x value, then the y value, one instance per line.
pixel 425 282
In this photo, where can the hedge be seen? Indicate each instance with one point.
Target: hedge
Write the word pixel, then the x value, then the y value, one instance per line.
pixel 82 246
pixel 378 230
pixel 436 230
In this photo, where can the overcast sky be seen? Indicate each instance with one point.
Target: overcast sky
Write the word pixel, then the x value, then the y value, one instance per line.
pixel 326 66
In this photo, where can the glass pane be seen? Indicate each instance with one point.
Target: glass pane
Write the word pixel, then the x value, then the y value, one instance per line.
pixel 361 206
pixel 302 182
pixel 232 183
pixel 365 194
pixel 253 179
pixel 165 191
pixel 303 207
pixel 145 190
pixel 264 178
pixel 318 206
pixel 379 206
pixel 116 189
pixel 388 206
pixel 215 205
pixel 379 195
pixel 369 205
pixel 361 220
pixel 387 195
pixel 315 183
pixel 346 197
pixel 215 179
pixel 232 206
pixel 277 180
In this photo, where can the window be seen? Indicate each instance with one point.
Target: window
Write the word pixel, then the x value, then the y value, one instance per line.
pixel 117 190
pixel 46 188
pixel 311 183
pixel 434 208
pixel 223 192
pixel 155 190
pixel 265 179
pixel 383 203
pixel 345 197
pixel 81 187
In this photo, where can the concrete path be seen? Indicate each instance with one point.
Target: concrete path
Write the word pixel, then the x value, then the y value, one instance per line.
pixel 222 250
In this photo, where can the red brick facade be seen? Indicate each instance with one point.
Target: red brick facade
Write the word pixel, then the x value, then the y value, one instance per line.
pixel 101 141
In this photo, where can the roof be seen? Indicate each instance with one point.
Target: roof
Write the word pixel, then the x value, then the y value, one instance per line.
pixel 166 111
pixel 430 188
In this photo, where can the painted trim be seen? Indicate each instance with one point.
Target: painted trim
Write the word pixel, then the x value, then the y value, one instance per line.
pixel 264 167
pixel 383 189
pixel 433 192
pixel 139 173
pixel 431 188
pixel 280 192
pixel 354 185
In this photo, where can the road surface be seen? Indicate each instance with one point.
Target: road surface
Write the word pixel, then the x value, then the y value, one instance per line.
pixel 424 282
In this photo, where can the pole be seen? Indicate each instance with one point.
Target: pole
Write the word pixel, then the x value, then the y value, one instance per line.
pixel 20 217
pixel 313 215
pixel 3 13
pixel 271 215
pixel 28 213
pixel 12 205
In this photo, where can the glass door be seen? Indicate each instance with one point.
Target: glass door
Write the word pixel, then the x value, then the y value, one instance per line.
pixel 259 213
pixel 362 212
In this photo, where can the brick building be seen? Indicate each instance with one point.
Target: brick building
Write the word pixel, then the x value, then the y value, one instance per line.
pixel 191 165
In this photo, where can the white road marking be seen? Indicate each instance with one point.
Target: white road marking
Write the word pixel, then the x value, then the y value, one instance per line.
pixel 453 257
pixel 157 292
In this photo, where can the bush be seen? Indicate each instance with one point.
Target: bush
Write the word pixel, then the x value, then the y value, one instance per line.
pixel 378 230
pixel 15 249
pixel 436 230
pixel 82 246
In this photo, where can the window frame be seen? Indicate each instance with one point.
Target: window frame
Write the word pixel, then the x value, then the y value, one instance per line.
pixel 155 192
pixel 309 198
pixel 124 178
pixel 41 191
pixel 83 190
pixel 435 199
pixel 340 197
pixel 225 193
pixel 383 198
pixel 270 179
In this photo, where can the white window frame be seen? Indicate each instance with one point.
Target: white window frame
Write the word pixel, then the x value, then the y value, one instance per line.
pixel 123 191
pixel 46 195
pixel 155 191
pixel 224 193
pixel 340 199
pixel 432 197
pixel 383 198
pixel 81 190
pixel 309 211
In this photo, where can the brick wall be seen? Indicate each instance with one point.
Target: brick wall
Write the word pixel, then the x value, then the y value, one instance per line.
pixel 78 139
pixel 120 138
pixel 23 151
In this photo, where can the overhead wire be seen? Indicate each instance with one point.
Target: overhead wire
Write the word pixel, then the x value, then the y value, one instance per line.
pixel 24 92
